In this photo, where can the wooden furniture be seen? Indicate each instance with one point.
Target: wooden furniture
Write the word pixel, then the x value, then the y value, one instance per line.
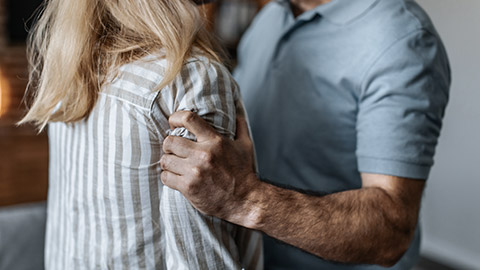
pixel 23 153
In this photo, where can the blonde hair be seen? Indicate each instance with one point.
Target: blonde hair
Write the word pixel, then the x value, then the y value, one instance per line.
pixel 77 43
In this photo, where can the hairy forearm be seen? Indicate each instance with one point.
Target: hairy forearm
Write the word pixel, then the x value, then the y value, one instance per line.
pixel 365 226
pixel 371 225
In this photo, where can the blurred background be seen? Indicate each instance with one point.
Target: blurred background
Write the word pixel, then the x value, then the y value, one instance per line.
pixel 451 206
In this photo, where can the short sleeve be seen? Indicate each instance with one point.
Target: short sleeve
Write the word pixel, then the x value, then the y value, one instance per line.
pixel 401 107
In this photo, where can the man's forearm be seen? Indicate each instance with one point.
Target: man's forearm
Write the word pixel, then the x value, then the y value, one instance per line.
pixel 372 225
pixel 358 226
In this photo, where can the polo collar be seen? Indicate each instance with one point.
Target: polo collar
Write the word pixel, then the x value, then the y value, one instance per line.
pixel 339 12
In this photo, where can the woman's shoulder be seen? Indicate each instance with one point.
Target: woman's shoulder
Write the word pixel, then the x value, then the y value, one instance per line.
pixel 204 86
pixel 137 82
pixel 152 68
pixel 200 76
pixel 146 72
pixel 203 73
pixel 206 63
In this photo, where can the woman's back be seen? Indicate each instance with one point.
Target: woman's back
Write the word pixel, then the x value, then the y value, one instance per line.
pixel 107 206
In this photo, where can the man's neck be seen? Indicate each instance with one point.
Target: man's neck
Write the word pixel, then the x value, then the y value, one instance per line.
pixel 301 6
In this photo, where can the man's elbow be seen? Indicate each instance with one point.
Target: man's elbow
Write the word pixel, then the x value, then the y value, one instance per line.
pixel 392 255
pixel 392 259
pixel 400 221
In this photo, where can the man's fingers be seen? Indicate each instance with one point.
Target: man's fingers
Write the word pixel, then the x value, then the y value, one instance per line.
pixel 178 146
pixel 173 164
pixel 171 180
pixel 193 123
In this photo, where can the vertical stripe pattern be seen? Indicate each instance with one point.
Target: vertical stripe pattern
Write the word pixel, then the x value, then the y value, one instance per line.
pixel 107 208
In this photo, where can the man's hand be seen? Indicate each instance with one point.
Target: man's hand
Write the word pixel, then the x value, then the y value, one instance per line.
pixel 370 225
pixel 216 174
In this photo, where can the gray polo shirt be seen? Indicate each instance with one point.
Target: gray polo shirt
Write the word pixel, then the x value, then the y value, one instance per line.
pixel 352 86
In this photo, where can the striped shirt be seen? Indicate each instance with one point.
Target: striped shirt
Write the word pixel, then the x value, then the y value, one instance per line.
pixel 107 208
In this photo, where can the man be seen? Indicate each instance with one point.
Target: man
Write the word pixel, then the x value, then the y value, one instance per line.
pixel 344 97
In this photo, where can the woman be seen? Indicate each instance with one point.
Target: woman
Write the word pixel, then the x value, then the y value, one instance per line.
pixel 106 76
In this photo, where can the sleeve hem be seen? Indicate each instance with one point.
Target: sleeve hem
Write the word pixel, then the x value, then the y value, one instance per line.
pixel 393 168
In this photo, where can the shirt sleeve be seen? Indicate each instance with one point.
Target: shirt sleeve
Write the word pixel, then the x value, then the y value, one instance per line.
pixel 403 100
pixel 193 240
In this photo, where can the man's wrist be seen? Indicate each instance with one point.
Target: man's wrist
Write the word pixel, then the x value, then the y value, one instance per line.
pixel 253 204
